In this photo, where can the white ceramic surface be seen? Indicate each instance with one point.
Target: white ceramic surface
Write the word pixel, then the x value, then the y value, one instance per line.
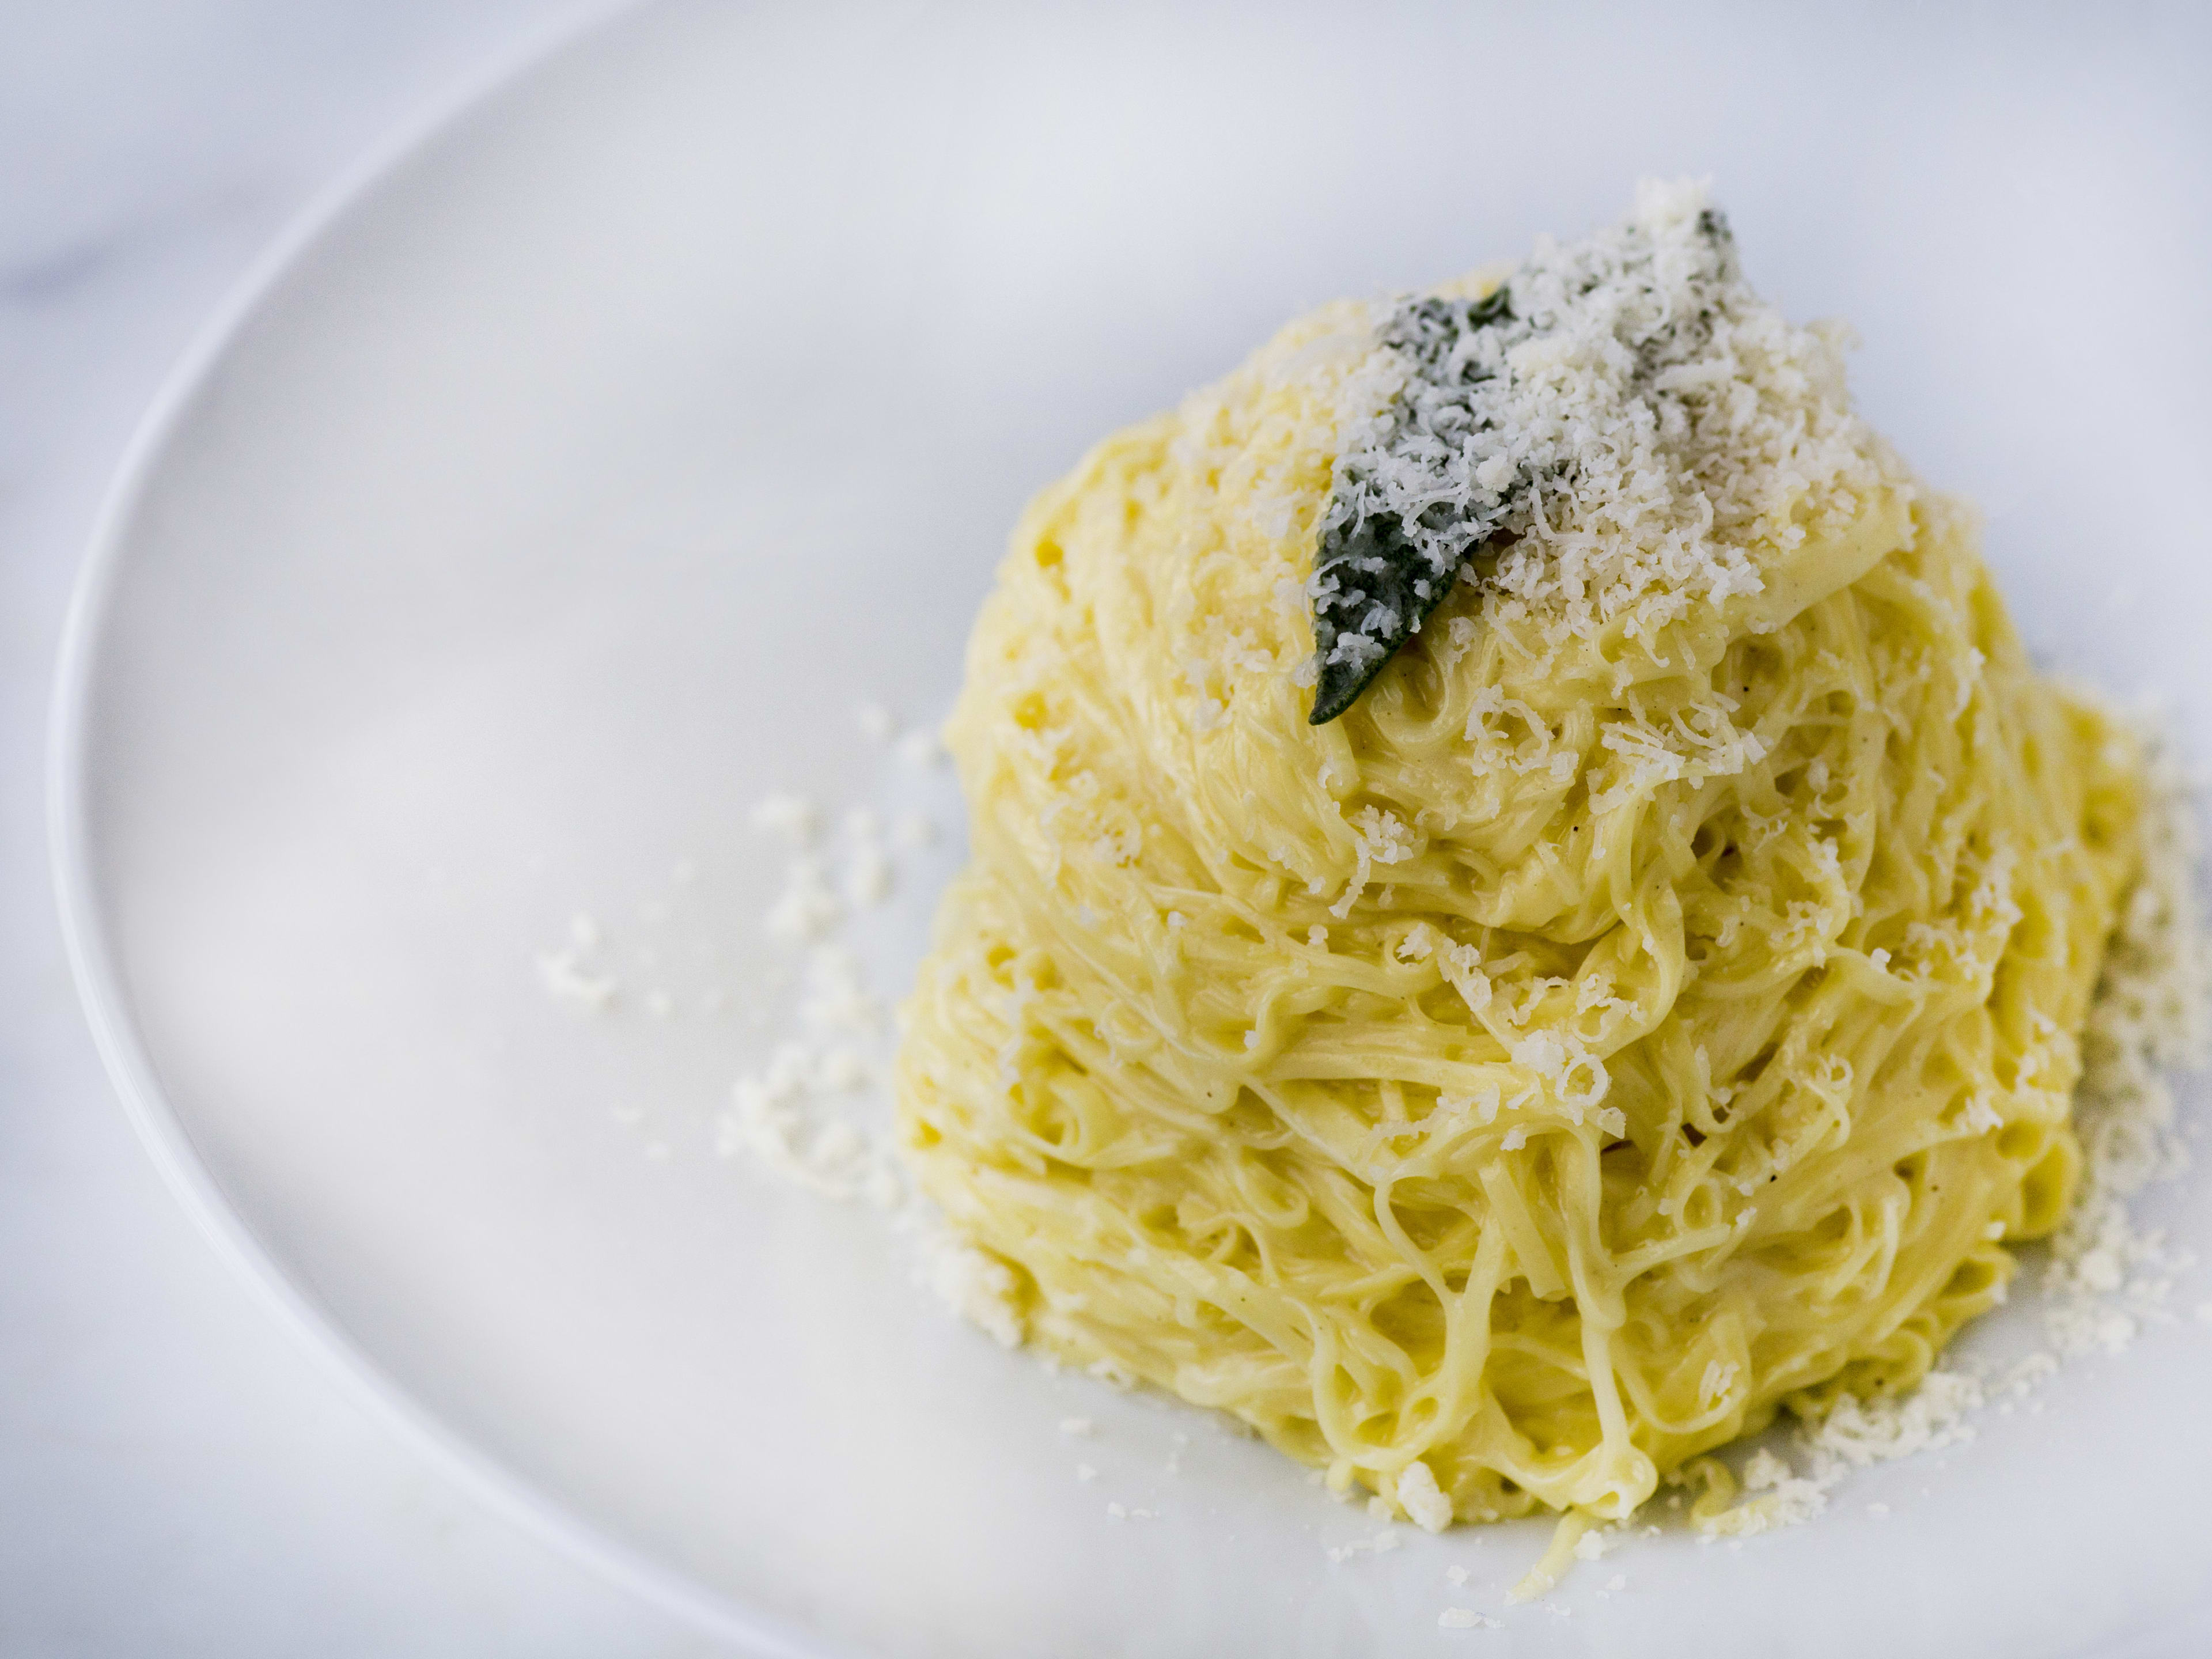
pixel 561 496
pixel 185 1479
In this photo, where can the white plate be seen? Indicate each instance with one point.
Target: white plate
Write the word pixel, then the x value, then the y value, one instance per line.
pixel 559 495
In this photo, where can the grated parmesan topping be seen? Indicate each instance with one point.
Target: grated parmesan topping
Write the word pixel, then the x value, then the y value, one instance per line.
pixel 1631 428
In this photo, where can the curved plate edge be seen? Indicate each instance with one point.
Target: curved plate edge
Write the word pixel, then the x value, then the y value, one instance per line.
pixel 98 983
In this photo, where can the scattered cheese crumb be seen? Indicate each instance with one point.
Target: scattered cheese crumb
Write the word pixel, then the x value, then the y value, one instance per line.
pixel 807 908
pixel 979 1287
pixel 921 749
pixel 1465 1619
pixel 1422 1500
pixel 1763 1472
pixel 1381 1544
pixel 565 980
pixel 868 883
pixel 1855 1433
pixel 791 816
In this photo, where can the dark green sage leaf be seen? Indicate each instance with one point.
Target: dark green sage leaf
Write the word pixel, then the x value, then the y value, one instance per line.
pixel 1379 571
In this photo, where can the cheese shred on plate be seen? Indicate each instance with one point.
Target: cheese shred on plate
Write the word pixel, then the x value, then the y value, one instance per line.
pixel 1651 1000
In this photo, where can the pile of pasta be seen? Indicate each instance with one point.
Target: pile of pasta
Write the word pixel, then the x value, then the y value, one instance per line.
pixel 1621 1024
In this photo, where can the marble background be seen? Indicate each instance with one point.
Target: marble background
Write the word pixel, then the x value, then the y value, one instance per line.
pixel 177 1477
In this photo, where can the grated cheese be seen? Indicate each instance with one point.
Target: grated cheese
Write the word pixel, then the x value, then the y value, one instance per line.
pixel 566 980
pixel 1381 1544
pixel 808 907
pixel 976 1285
pixel 1465 1619
pixel 793 817
pixel 1422 1500
pixel 1854 1434
pixel 1634 420
pixel 921 749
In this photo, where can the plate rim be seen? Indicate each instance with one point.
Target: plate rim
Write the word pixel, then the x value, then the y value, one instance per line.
pixel 81 910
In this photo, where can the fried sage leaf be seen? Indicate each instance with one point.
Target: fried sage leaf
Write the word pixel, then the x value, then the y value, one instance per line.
pixel 1380 568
